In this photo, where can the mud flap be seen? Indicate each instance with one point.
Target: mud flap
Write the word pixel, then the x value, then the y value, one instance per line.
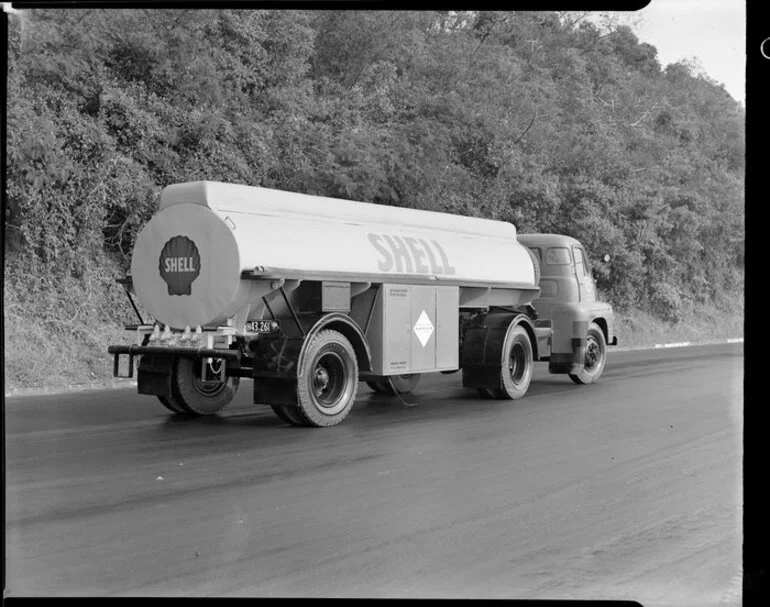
pixel 154 375
pixel 275 391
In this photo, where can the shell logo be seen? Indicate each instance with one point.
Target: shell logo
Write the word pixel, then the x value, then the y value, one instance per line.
pixel 179 265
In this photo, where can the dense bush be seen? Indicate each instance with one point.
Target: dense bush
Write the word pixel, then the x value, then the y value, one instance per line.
pixel 550 122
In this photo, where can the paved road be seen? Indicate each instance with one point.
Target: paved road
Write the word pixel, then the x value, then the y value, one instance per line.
pixel 629 489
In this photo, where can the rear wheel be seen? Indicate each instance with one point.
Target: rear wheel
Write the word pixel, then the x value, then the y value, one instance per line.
pixel 199 397
pixel 517 365
pixel 151 361
pixel 171 404
pixel 376 386
pixel 290 414
pixel 327 379
pixel 403 384
pixel 595 358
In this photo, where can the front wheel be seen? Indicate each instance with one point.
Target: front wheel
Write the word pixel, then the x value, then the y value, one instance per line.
pixel 198 397
pixel 327 380
pixel 595 358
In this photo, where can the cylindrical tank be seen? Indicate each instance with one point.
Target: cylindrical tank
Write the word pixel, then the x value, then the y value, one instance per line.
pixel 188 259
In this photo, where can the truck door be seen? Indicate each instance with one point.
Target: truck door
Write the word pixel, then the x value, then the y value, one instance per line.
pixel 586 287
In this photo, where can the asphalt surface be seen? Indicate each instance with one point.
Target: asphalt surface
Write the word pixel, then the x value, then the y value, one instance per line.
pixel 628 489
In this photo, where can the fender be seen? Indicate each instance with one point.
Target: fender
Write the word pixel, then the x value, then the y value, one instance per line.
pixel 281 357
pixel 278 360
pixel 350 329
pixel 481 355
pixel 483 340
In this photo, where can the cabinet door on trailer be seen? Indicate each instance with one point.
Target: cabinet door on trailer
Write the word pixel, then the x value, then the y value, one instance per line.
pixel 415 329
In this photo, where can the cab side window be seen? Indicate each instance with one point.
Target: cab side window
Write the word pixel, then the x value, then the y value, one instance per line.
pixel 538 253
pixel 556 256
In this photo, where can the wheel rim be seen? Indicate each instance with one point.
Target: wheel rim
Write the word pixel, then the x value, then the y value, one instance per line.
pixel 329 381
pixel 213 387
pixel 517 363
pixel 593 354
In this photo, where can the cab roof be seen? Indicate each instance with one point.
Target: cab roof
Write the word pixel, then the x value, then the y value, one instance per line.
pixel 546 240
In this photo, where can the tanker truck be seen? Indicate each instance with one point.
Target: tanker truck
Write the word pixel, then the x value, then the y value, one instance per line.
pixel 307 296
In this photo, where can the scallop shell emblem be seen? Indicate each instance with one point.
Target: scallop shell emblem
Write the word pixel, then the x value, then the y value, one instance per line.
pixel 179 265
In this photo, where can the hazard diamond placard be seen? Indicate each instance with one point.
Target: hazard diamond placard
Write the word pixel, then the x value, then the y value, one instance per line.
pixel 423 328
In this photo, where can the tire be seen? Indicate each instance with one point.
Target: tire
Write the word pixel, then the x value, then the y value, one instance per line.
pixel 327 379
pixel 403 384
pixel 376 386
pixel 197 397
pixel 517 365
pixel 171 404
pixel 289 414
pixel 595 358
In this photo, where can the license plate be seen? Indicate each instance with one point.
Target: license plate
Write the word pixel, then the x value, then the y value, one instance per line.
pixel 261 326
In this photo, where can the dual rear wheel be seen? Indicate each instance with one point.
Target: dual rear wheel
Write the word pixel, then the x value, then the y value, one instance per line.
pixel 516 366
pixel 327 382
pixel 192 396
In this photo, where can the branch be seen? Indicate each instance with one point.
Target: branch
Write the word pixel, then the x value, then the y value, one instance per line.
pixel 644 115
pixel 529 126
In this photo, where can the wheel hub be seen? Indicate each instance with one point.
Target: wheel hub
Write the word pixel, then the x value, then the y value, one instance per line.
pixel 321 380
pixel 592 353
pixel 516 363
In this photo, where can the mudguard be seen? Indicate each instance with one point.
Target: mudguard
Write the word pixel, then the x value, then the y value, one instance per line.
pixel 482 347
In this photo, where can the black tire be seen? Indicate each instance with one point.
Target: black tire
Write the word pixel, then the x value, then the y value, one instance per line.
pixel 517 365
pixel 327 379
pixel 171 404
pixel 290 414
pixel 197 397
pixel 595 358
pixel 376 386
pixel 403 384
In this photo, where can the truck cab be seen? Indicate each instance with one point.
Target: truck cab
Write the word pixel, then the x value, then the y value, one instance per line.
pixel 583 327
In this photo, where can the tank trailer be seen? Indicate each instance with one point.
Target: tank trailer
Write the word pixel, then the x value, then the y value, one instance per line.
pixel 307 296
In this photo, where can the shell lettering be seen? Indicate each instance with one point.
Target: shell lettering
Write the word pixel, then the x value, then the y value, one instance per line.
pixel 179 265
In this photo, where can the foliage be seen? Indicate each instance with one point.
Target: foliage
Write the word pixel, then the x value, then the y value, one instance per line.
pixel 543 119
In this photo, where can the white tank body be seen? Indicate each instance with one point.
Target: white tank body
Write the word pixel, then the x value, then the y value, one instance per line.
pixel 188 259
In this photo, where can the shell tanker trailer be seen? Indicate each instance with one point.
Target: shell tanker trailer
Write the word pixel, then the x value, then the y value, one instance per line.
pixel 306 296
